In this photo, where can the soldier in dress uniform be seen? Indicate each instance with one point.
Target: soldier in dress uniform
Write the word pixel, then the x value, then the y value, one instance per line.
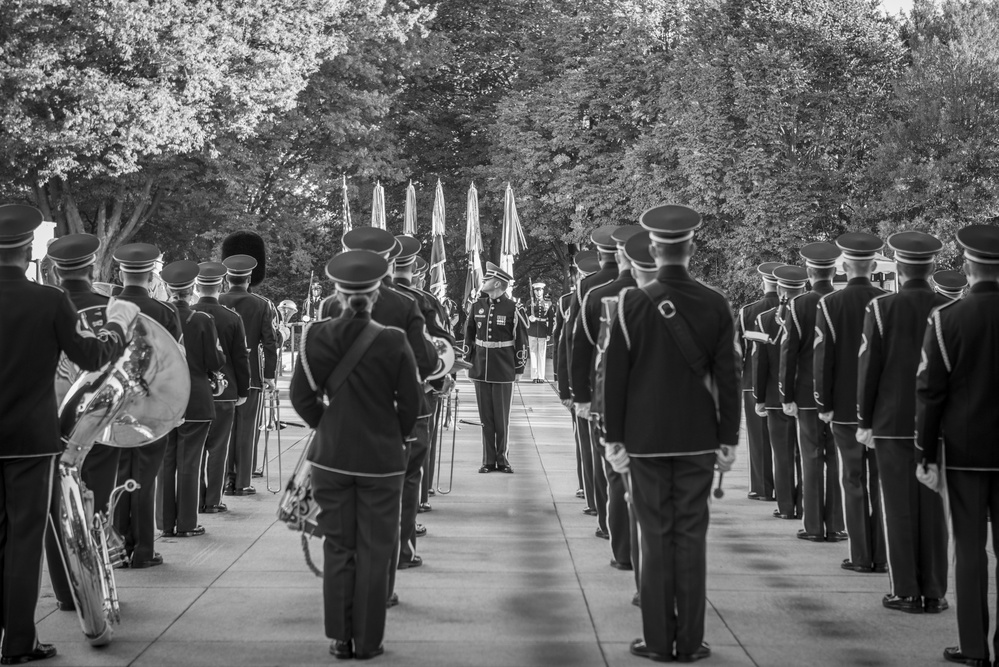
pixel 258 325
pixel 39 324
pixel 561 310
pixel 949 283
pixel 839 333
pixel 134 514
pixel 957 390
pixel 782 428
pixel 915 524
pixel 761 464
pixel 358 458
pixel 496 344
pixel 179 478
pixel 313 303
pixel 821 496
pixel 232 339
pixel 539 319
pixel 669 428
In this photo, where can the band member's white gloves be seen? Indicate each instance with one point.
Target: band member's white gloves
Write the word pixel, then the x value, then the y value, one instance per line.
pixel 269 384
pixel 617 457
pixel 865 436
pixel 790 409
pixel 929 475
pixel 240 400
pixel 567 403
pixel 826 416
pixel 725 458
pixel 583 410
pixel 761 409
pixel 122 313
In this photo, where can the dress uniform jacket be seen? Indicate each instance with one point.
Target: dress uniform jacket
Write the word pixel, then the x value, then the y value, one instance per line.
pixel 496 340
pixel 838 335
pixel 767 360
pixel 747 323
pixel 232 340
pixel 607 273
pixel 258 324
pixel 159 311
pixel 204 355
pixel 561 309
pixel 795 377
pixel 584 339
pixel 544 311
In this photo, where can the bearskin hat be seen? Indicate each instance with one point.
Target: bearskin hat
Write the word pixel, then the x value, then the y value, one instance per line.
pixel 248 243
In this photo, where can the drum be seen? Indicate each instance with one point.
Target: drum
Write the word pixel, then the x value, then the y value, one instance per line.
pixel 297 507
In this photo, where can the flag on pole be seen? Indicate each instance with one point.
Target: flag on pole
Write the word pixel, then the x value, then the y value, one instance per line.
pixel 347 225
pixel 512 241
pixel 378 207
pixel 438 279
pixel 409 222
pixel 473 245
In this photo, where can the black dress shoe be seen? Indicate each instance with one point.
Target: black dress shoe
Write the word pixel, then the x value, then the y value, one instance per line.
pixel 341 650
pixel 229 490
pixel 214 509
pixel 838 536
pixel 152 562
pixel 847 564
pixel 880 568
pixel 636 599
pixel 424 507
pixel 701 653
pixel 168 533
pixel 639 648
pixel 40 652
pixel 601 533
pixel 621 566
pixel 589 511
pixel 580 493
pixel 431 492
pixel 368 655
pixel 245 491
pixel 257 473
pixel 506 469
pixel 68 605
pixel 392 601
pixel 909 604
pixel 421 530
pixel 779 515
pixel 198 530
pixel 935 605
pixel 407 564
pixel 953 654
pixel 802 535
pixel 485 469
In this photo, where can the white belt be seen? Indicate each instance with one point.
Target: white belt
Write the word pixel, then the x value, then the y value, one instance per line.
pixel 489 344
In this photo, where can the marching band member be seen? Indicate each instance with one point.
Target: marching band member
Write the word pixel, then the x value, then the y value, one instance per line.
pixel 539 328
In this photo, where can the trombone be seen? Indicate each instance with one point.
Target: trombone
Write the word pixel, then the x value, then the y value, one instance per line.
pixel 441 425
pixel 271 421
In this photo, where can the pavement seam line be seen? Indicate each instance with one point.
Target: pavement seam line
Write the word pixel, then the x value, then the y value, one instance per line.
pixel 727 627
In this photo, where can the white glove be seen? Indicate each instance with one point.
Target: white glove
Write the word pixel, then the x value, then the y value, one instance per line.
pixel 761 409
pixel 122 313
pixel 567 403
pixel 583 410
pixel 725 458
pixel 865 436
pixel 240 400
pixel 790 409
pixel 826 416
pixel 929 475
pixel 268 384
pixel 617 457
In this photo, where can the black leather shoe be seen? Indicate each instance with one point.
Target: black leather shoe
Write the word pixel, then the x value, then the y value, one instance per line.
pixel 909 604
pixel 935 605
pixel 40 652
pixel 601 533
pixel 880 568
pixel 229 490
pixel 245 491
pixel 257 473
pixel 214 509
pixel 168 533
pixel 802 535
pixel 589 511
pixel 198 530
pixel 506 469
pixel 847 564
pixel 421 530
pixel 341 650
pixel 953 654
pixel 424 507
pixel 369 654
pixel 485 469
pixel 779 515
pixel 392 601
pixel 580 493
pixel 621 566
pixel 152 562
pixel 700 654
pixel 839 536
pixel 759 496
pixel 636 600
pixel 407 564
pixel 431 492
pixel 69 605
pixel 639 648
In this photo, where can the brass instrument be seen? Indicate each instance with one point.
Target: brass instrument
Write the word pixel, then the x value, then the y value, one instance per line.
pixel 271 421
pixel 447 361
pixel 136 399
pixel 440 442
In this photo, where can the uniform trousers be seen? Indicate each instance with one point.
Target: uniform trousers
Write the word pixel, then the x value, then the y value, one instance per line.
pixel 494 399
pixel 915 523
pixel 761 462
pixel 599 478
pixel 245 433
pixel 618 515
pixel 359 520
pixel 821 494
pixel 636 533
pixel 134 515
pixel 861 498
pixel 213 474
pixel 437 408
pixel 974 502
pixel 180 475
pixel 671 502
pixel 787 466
pixel 25 498
pixel 411 488
pixel 539 354
pixel 99 473
pixel 584 458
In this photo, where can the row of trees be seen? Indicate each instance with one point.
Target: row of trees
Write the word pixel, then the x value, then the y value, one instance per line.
pixel 783 121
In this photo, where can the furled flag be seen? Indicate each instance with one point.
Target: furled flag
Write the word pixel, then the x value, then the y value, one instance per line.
pixel 512 240
pixel 438 279
pixel 347 225
pixel 409 222
pixel 473 245
pixel 378 207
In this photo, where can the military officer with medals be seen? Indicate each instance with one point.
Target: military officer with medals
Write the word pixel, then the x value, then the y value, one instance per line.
pixel 915 524
pixel 134 514
pixel 258 325
pixel 951 284
pixel 672 414
pixel 838 339
pixel 539 319
pixel 957 390
pixel 496 341
pixel 821 496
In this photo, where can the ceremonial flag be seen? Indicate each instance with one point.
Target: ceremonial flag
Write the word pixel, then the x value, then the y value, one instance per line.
pixel 438 279
pixel 378 207
pixel 409 222
pixel 347 225
pixel 512 240
pixel 473 245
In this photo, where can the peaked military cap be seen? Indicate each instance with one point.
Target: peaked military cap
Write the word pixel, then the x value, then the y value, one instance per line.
pixel 180 274
pixel 587 262
pixel 766 269
pixel 980 243
pixel 790 276
pixel 950 283
pixel 357 271
pixel 621 235
pixel 538 285
pixel 914 247
pixel 493 271
pixel 820 255
pixel 137 257
pixel 421 266
pixel 670 223
pixel 859 245
pixel 211 273
pixel 371 239
pixel 18 224
pixel 409 247
pixel 239 266
pixel 603 239
pixel 637 249
pixel 74 251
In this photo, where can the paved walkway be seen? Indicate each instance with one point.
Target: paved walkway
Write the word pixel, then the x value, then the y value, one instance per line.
pixel 513 576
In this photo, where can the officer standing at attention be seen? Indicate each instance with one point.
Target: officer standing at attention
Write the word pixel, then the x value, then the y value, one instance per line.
pixel 180 476
pixel 39 323
pixel 761 464
pixel 957 391
pixel 822 499
pixel 134 514
pixel 674 343
pixel 232 340
pixel 255 311
pixel 496 340
pixel 839 334
pixel 915 523
pixel 538 330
